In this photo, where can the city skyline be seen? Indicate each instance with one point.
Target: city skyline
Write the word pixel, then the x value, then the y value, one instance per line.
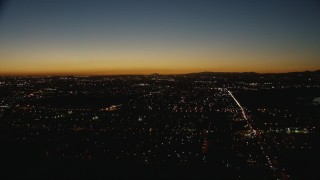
pixel 167 37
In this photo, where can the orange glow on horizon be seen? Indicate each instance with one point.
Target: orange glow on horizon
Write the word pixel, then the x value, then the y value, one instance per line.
pixel 147 61
pixel 146 71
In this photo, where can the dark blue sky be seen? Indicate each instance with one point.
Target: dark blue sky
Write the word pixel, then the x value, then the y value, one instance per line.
pixel 193 35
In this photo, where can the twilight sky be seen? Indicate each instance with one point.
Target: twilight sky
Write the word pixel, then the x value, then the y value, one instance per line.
pixel 163 36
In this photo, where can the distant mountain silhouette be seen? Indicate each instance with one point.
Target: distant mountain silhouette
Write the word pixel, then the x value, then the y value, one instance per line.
pixel 251 73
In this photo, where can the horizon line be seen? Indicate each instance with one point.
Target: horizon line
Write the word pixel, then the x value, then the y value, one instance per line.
pixel 141 74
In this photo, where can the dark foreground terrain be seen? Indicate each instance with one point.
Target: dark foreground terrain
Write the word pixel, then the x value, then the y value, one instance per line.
pixel 200 126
